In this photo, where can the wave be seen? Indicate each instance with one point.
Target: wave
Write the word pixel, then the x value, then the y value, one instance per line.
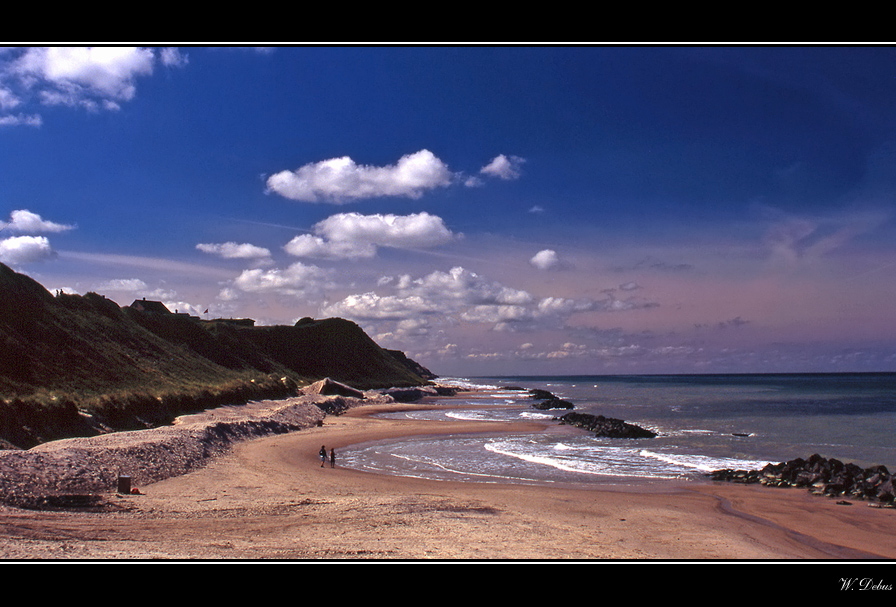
pixel 702 463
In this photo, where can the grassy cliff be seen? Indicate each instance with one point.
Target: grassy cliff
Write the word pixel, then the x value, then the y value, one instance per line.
pixel 76 365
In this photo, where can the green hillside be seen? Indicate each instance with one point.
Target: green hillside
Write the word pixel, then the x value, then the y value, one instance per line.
pixel 74 365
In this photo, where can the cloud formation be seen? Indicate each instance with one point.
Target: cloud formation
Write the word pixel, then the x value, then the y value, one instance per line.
pixel 545 260
pixel 26 221
pixel 354 236
pixel 91 78
pixel 28 249
pixel 25 249
pixel 445 293
pixel 297 280
pixel 233 250
pixel 503 167
pixel 460 295
pixel 129 285
pixel 342 180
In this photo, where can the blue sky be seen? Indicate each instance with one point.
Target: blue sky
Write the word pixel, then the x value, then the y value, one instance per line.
pixel 488 210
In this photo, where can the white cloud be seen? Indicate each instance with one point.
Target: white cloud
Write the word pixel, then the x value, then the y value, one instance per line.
pixel 353 236
pixel 21 119
pixel 562 306
pixel 503 167
pixel 77 74
pixel 341 180
pixel 496 314
pixel 26 221
pixel 464 286
pixel 233 250
pixel 398 231
pixel 370 306
pixel 545 260
pixel 307 245
pixel 129 285
pixel 298 280
pixel 183 307
pixel 28 249
pixel 446 293
pixel 173 57
pixel 228 294
pixel 92 78
pixel 25 249
pixel 8 99
pixel 462 296
pixel 457 292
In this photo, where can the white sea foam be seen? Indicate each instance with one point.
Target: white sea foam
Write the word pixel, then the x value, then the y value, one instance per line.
pixel 702 463
pixel 535 458
pixel 467 414
pixel 428 464
pixel 535 415
pixel 575 461
pixel 703 426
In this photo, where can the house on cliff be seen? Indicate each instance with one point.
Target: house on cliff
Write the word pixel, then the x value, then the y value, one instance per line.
pixel 157 307
pixel 151 307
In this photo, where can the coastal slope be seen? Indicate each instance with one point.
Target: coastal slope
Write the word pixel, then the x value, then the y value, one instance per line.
pixel 73 365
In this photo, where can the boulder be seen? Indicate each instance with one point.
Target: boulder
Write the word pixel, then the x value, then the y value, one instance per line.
pixel 539 394
pixel 606 426
pixel 409 395
pixel 553 403
pixel 328 387
pixel 822 476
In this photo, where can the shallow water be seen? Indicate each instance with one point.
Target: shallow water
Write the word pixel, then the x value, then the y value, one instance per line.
pixel 703 423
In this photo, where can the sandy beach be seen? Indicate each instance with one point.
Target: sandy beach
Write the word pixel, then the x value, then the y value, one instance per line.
pixel 269 498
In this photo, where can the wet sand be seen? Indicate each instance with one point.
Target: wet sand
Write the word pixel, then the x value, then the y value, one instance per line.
pixel 270 499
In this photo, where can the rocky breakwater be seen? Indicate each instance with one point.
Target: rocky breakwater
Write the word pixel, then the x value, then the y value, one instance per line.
pixel 606 426
pixel 414 394
pixel 821 476
pixel 548 400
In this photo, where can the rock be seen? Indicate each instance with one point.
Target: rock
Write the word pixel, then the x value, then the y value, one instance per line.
pixel 548 400
pixel 553 403
pixel 606 426
pixel 328 387
pixel 821 476
pixel 739 476
pixel 409 395
pixel 541 394
pixel 886 492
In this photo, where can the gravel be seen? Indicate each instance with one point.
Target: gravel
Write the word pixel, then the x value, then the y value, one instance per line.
pixel 71 472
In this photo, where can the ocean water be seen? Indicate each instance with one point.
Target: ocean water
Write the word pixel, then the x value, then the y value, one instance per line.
pixel 703 422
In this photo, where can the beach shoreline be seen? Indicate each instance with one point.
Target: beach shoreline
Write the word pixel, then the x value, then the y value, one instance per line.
pixel 270 499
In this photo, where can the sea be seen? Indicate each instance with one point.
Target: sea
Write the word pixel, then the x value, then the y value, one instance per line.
pixel 703 423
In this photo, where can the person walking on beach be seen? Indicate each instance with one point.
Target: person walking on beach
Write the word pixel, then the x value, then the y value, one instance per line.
pixel 332 458
pixel 323 455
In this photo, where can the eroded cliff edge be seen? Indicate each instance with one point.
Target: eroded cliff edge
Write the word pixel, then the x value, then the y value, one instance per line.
pixel 81 365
